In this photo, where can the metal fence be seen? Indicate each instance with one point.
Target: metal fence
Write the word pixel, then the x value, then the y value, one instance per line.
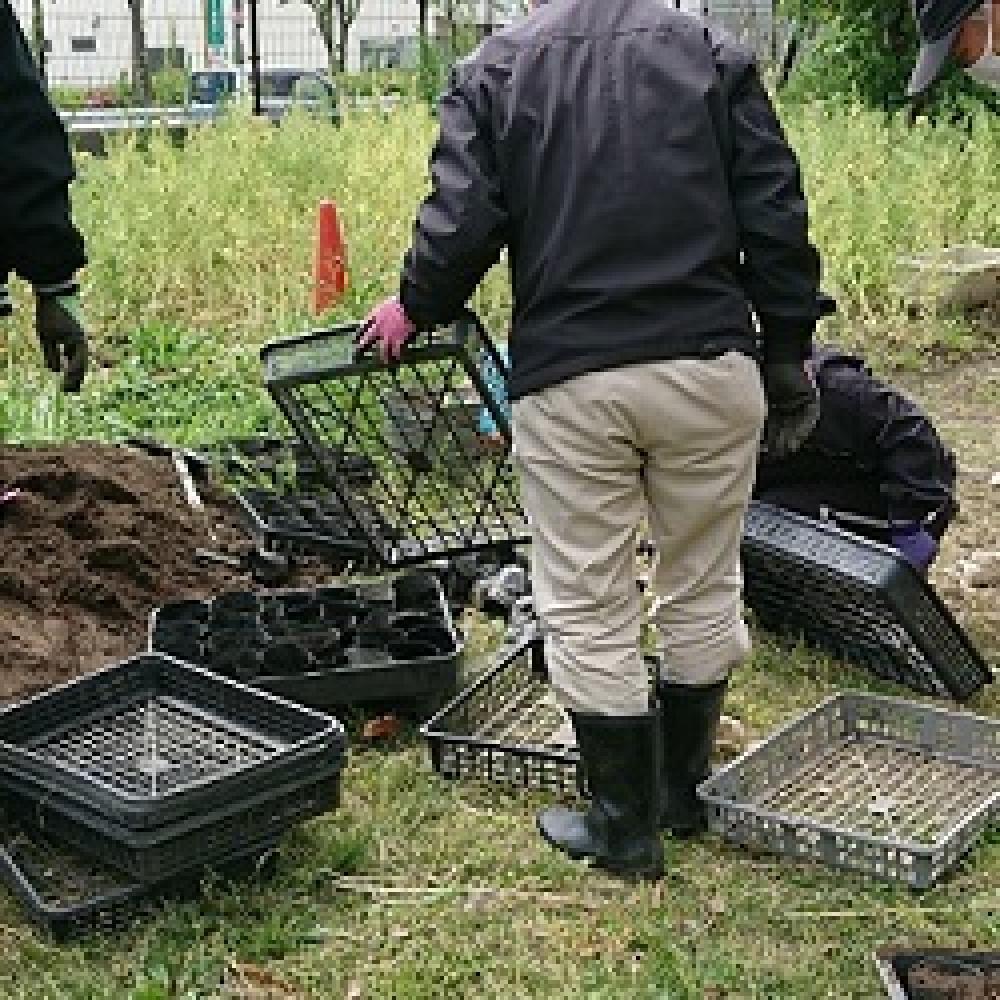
pixel 105 52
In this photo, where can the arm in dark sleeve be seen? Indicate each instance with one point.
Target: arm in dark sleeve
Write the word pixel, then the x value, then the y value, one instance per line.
pixel 461 226
pixel 37 237
pixel 915 471
pixel 781 268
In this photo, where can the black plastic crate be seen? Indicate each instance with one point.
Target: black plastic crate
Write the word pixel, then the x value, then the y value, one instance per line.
pixel 939 974
pixel 502 728
pixel 431 495
pixel 152 739
pixel 857 600
pixel 180 846
pixel 70 895
pixel 332 646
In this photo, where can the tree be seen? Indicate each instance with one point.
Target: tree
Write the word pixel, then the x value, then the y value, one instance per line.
pixel 334 19
pixel 38 33
pixel 423 9
pixel 865 50
pixel 140 70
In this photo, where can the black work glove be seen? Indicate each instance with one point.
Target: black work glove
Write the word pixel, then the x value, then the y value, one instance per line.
pixel 59 325
pixel 792 407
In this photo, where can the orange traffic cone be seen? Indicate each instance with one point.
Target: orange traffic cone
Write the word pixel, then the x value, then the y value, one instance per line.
pixel 330 261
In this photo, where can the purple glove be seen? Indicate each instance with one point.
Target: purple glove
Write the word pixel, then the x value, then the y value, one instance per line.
pixel 388 326
pixel 917 546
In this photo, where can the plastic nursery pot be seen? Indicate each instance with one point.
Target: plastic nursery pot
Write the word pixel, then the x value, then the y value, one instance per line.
pixel 301 609
pixel 236 661
pixel 403 650
pixel 435 635
pixel 182 614
pixel 238 608
pixel 283 659
pixel 417 592
pixel 182 645
pixel 377 637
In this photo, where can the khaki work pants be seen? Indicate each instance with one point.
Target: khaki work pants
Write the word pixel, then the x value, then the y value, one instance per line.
pixel 674 443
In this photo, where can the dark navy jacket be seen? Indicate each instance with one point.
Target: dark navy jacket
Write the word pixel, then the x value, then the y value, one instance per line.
pixel 38 240
pixel 633 165
pixel 874 459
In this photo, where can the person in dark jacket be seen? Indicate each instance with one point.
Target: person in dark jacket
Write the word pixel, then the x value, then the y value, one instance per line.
pixel 965 31
pixel 874 464
pixel 38 240
pixel 631 162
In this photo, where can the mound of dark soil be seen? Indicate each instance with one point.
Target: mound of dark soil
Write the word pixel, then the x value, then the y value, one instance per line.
pixel 99 536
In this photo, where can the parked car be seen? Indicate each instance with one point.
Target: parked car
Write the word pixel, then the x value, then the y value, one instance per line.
pixel 280 91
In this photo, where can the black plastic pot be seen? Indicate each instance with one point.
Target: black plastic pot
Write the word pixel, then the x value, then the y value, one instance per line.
pixel 417 592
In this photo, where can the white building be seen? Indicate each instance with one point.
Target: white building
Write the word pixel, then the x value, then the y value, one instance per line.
pixel 89 41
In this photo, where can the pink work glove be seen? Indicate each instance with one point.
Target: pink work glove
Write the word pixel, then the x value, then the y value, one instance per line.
pixel 388 326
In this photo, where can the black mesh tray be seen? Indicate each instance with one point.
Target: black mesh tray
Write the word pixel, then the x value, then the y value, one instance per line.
pixel 939 974
pixel 502 728
pixel 856 599
pixel 180 846
pixel 431 495
pixel 70 895
pixel 303 523
pixel 152 739
pixel 332 646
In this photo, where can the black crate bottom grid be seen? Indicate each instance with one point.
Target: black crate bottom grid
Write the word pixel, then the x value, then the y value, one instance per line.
pixel 503 729
pixel 431 496
pixel 890 788
pixel 857 600
pixel 155 746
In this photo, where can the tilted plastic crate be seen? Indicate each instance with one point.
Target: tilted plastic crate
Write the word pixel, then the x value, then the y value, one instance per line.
pixel 856 599
pixel 887 787
pixel 503 727
pixel 330 646
pixel 431 495
pixel 151 740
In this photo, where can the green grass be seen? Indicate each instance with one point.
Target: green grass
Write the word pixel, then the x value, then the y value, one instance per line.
pixel 418 888
pixel 200 254
pixel 421 888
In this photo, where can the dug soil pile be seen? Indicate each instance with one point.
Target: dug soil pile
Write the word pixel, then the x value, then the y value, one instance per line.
pixel 99 536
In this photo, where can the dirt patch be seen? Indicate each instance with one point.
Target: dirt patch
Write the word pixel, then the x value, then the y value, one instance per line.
pixel 964 402
pixel 99 536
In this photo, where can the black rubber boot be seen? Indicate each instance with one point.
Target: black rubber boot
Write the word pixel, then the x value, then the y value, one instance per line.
pixel 690 719
pixel 619 830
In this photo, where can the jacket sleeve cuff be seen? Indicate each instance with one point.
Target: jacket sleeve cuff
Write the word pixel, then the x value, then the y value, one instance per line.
pixel 785 340
pixel 57 289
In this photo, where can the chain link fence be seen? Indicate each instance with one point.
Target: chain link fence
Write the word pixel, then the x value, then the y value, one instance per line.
pixel 111 53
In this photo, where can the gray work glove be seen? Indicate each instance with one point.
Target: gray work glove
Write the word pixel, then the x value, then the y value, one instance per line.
pixel 59 324
pixel 792 407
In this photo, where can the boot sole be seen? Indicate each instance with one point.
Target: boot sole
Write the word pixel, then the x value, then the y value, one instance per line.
pixel 651 872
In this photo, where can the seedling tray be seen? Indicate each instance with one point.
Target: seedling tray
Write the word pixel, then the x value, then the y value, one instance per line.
pixel 69 895
pixel 151 740
pixel 857 600
pixel 151 856
pixel 332 646
pixel 879 785
pixel 309 523
pixel 501 728
pixel 430 495
pixel 939 974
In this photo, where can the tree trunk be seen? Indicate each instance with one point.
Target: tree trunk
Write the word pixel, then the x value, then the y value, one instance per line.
pixel 140 70
pixel 423 7
pixel 38 34
pixel 342 37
